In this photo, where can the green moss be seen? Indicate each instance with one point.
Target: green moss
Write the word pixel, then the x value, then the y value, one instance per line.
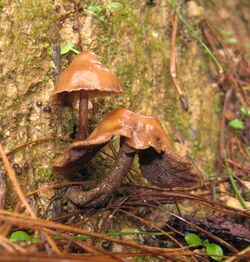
pixel 27 42
pixel 179 121
pixel 126 24
pixel 1 5
pixel 197 147
pixel 43 174
pixel 144 259
pixel 209 170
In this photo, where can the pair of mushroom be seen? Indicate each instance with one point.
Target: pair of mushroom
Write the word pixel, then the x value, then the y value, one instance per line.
pixel 144 135
pixel 139 134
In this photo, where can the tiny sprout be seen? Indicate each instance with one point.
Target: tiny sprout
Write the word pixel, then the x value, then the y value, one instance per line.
pixel 67 47
pixel 193 239
pixel 101 18
pixel 46 45
pixel 237 124
pixel 113 5
pixel 226 32
pixel 212 249
pixel 19 236
pixel 245 111
pixel 231 40
pixel 95 9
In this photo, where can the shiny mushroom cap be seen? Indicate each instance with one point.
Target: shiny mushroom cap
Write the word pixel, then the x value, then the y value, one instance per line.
pixel 140 132
pixel 87 73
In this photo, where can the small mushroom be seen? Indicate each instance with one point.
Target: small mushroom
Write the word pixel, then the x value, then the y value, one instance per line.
pixel 86 77
pixel 139 134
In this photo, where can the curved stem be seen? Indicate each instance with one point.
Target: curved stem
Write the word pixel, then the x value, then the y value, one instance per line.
pixel 83 115
pixel 102 192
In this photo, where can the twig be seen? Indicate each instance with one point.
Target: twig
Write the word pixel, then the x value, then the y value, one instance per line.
pixel 150 224
pixel 13 179
pixel 245 168
pixel 37 223
pixel 222 126
pixel 173 70
pixel 20 193
pixel 13 246
pixel 38 141
pixel 2 189
pixel 212 236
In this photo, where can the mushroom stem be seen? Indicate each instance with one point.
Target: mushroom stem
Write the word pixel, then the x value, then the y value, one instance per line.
pixel 103 191
pixel 83 115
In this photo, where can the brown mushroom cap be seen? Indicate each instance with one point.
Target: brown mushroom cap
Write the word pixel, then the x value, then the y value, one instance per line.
pixel 140 132
pixel 87 73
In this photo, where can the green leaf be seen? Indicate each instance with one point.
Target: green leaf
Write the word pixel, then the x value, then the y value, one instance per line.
pixel 95 9
pixel 206 242
pixel 66 47
pixel 245 111
pixel 46 45
pixel 226 32
pixel 101 18
pixel 113 5
pixel 36 240
pixel 19 236
pixel 213 249
pixel 193 239
pixel 231 40
pixel 237 124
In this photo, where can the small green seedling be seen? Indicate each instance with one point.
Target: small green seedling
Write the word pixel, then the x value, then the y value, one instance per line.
pixel 23 236
pixel 67 47
pixel 237 124
pixel 213 249
pixel 226 32
pixel 210 248
pixel 95 9
pixel 231 40
pixel 245 111
pixel 113 5
pixel 19 236
pixel 228 36
pixel 100 10
pixel 193 239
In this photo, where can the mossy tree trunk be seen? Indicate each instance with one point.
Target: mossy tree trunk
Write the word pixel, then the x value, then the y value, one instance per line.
pixel 133 40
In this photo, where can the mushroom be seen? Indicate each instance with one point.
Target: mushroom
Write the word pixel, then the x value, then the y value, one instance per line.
pixel 73 159
pixel 139 134
pixel 86 77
